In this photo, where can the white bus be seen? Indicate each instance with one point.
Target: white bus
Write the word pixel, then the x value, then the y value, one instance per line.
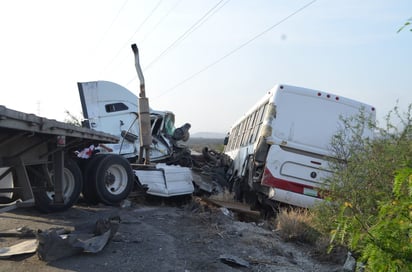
pixel 280 146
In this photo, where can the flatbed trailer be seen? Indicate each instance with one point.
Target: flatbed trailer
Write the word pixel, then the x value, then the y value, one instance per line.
pixel 39 166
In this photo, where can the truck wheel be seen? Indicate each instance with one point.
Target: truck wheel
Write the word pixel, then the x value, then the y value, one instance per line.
pixel 114 179
pixel 89 177
pixel 72 186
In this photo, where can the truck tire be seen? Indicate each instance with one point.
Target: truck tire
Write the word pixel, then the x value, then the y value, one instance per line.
pixel 72 186
pixel 114 179
pixel 89 180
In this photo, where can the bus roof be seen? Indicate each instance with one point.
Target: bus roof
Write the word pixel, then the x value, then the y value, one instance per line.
pixel 271 96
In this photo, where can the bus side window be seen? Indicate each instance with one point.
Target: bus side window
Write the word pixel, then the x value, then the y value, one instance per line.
pixel 252 126
pixel 262 113
pixel 245 131
pixel 239 135
pixel 242 143
pixel 233 138
pixel 259 120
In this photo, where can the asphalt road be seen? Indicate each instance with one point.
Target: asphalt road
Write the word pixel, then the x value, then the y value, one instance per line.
pixel 163 237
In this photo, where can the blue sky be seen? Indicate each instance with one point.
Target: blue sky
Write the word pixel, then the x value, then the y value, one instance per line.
pixel 347 47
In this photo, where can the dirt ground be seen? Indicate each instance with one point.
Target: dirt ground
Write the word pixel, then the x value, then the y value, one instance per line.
pixel 164 237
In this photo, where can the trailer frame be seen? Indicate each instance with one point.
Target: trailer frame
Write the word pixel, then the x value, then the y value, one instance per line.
pixel 27 139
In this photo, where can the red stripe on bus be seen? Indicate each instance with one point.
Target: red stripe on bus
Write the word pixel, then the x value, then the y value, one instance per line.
pixel 269 180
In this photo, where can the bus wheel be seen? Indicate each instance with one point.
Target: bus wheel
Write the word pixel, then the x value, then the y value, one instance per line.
pixel 269 208
pixel 237 189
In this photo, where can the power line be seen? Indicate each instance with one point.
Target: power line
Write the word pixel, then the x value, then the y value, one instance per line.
pixel 190 30
pixel 160 21
pixel 149 34
pixel 236 49
pixel 144 21
pixel 111 25
pixel 127 43
pixel 183 36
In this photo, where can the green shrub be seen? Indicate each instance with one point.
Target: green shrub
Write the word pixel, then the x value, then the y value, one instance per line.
pixel 389 241
pixel 369 201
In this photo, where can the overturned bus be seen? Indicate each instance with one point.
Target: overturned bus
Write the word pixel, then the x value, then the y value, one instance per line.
pixel 280 147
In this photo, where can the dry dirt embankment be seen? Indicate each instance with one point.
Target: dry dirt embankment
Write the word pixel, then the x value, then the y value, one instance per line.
pixel 163 237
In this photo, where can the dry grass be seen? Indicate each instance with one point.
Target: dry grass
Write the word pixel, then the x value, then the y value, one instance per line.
pixel 295 225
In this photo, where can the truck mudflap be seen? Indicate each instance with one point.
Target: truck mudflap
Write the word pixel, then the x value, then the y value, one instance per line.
pixel 165 180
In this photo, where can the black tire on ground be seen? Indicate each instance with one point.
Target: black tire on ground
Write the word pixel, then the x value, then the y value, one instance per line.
pixel 114 179
pixel 237 189
pixel 89 179
pixel 72 186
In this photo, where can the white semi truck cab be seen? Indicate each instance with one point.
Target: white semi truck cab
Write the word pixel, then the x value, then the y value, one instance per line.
pixel 111 108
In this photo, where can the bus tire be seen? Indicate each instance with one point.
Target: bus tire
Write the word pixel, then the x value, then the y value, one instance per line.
pixel 238 189
pixel 114 179
pixel 72 186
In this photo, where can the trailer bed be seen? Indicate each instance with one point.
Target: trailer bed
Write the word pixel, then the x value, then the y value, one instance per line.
pixel 27 140
pixel 20 121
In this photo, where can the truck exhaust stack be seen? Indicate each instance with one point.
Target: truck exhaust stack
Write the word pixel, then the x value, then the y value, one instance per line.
pixel 144 113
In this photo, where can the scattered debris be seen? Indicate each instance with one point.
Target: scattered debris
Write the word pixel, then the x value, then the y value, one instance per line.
pixel 22 232
pixel 350 263
pixel 25 247
pixel 126 203
pixel 257 262
pixel 234 261
pixel 209 171
pixel 157 238
pixel 53 246
pixel 242 210
pixel 57 243
pixel 226 212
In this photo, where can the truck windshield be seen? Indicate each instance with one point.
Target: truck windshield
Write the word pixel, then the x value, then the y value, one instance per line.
pixel 169 124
